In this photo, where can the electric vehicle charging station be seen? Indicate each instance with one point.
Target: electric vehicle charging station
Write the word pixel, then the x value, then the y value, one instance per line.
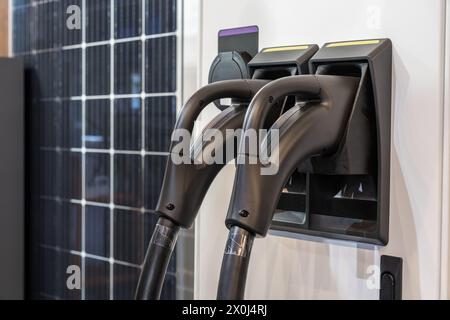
pixel 341 123
pixel 353 183
pixel 309 267
pixel 350 236
pixel 337 120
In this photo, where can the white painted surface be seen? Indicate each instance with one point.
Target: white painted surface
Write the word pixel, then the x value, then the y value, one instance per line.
pixel 445 235
pixel 284 268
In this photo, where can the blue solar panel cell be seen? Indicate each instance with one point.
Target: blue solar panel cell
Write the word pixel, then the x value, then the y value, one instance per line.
pixel 97 231
pixel 128 67
pixel 127 122
pixel 98 20
pixel 160 117
pixel 97 124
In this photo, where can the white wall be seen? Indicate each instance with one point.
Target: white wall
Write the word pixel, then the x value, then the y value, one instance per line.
pixel 284 268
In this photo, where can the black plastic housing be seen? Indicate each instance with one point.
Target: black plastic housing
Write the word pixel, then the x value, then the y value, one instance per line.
pixel 391 278
pixel 230 65
pixel 278 62
pixel 275 63
pixel 346 195
pixel 312 128
pixel 236 47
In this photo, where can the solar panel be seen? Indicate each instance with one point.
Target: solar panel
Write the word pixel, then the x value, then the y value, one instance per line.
pixel 102 101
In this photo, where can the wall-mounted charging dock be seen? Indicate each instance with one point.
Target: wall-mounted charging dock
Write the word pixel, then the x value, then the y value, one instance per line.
pixel 237 46
pixel 346 195
pixel 335 138
pixel 279 62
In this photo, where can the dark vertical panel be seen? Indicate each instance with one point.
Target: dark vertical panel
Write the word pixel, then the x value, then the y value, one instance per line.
pixel 128 67
pixel 60 123
pixel 49 25
pixel 60 224
pixel 68 224
pixel 97 230
pixel 47 74
pixel 71 73
pixel 98 68
pixel 45 182
pixel 70 124
pixel 98 177
pixel 68 168
pixel 160 117
pixel 60 174
pixel 161 64
pixel 128 18
pixel 49 119
pixel 98 25
pixel 19 3
pixel 128 180
pixel 160 16
pixel 47 226
pixel 97 124
pixel 22 36
pixel 127 121
pixel 97 279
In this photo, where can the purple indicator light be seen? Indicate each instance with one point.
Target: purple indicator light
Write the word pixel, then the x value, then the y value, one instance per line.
pixel 238 31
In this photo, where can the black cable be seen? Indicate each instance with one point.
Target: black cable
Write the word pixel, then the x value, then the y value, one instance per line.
pixel 157 259
pixel 233 275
